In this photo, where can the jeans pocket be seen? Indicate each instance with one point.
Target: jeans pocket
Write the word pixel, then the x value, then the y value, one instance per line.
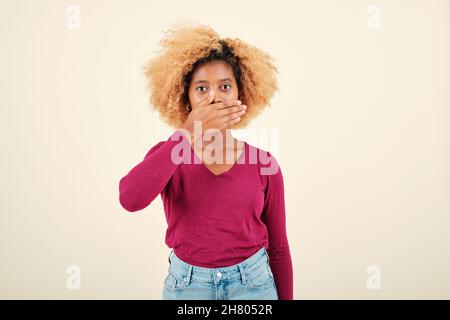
pixel 170 282
pixel 261 277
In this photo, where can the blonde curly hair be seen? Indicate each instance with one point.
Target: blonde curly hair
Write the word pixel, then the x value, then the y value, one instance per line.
pixel 189 45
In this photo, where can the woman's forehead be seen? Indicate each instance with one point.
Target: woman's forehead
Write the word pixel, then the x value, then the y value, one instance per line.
pixel 213 71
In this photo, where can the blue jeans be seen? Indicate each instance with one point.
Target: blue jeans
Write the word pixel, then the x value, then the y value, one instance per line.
pixel 252 279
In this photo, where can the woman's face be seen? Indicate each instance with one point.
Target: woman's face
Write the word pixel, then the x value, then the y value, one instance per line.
pixel 217 76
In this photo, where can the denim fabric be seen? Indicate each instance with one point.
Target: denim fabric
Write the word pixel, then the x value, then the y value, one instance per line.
pixel 252 279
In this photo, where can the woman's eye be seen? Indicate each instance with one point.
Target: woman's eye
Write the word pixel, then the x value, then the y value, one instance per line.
pixel 225 86
pixel 200 87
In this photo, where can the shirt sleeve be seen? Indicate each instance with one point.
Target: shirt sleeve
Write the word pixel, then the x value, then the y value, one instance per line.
pixel 274 217
pixel 145 181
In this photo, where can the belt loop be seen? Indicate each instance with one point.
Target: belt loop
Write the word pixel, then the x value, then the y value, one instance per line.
pixel 267 254
pixel 243 277
pixel 187 279
pixel 170 254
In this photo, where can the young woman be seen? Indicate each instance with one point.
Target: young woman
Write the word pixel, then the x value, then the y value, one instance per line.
pixel 226 217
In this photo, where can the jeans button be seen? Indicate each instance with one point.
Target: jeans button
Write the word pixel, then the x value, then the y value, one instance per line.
pixel 219 274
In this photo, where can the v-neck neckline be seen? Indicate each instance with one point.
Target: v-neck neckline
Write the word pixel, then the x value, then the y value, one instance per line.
pixel 225 172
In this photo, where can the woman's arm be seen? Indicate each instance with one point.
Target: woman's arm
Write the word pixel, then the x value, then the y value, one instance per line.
pixel 146 180
pixel 274 217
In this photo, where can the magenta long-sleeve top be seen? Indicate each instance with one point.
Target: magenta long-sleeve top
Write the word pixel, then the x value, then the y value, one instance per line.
pixel 215 220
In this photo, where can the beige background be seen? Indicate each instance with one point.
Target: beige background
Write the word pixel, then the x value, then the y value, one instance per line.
pixel 363 116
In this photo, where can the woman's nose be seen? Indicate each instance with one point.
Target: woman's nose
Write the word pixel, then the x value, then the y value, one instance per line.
pixel 217 97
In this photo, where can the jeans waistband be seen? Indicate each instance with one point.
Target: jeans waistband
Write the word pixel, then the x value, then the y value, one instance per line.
pixel 241 270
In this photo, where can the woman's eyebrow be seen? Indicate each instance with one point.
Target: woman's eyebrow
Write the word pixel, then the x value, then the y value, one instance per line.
pixel 200 81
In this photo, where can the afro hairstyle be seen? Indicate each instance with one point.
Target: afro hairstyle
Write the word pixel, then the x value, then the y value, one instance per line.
pixel 187 46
